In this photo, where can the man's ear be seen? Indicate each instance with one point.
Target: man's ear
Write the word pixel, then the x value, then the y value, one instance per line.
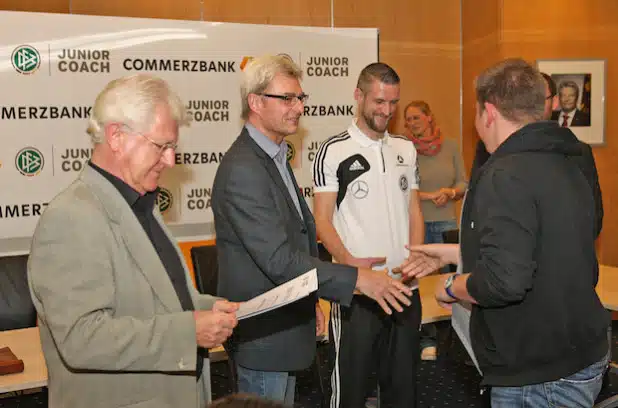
pixel 491 115
pixel 256 102
pixel 114 136
pixel 358 95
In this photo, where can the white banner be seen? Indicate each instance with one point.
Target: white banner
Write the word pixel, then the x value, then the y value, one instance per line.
pixel 51 72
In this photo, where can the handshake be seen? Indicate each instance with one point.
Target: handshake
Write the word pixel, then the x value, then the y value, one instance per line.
pixel 389 292
pixel 213 327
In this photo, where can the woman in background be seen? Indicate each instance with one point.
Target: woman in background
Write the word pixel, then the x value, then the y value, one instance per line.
pixel 442 182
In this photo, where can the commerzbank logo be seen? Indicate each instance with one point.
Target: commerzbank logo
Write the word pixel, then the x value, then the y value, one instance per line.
pixel 248 58
pixel 244 62
pixel 29 161
pixel 26 59
pixel 164 200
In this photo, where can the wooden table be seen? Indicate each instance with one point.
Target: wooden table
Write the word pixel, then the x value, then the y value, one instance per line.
pixel 432 311
pixel 607 288
pixel 26 345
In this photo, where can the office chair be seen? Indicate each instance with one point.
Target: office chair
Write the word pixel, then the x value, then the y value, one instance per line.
pixel 206 269
pixel 16 308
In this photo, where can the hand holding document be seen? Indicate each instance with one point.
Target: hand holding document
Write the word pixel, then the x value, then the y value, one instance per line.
pixel 282 295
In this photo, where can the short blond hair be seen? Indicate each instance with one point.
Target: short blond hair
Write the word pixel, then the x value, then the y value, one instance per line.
pixel 260 72
pixel 132 101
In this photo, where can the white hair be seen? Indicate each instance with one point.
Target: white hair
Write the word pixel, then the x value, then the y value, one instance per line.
pixel 133 101
pixel 259 73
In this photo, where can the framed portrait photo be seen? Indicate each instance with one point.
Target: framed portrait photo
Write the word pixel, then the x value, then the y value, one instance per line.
pixel 580 87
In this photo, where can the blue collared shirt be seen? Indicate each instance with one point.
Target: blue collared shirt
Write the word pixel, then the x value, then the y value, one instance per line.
pixel 279 155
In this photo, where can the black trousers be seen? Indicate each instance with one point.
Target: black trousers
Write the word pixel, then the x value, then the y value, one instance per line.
pixel 362 338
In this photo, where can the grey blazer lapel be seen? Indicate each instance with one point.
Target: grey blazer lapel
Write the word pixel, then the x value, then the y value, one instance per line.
pixel 271 167
pixel 134 237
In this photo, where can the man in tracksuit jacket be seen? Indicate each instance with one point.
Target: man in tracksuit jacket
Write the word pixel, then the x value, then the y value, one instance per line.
pixel 538 328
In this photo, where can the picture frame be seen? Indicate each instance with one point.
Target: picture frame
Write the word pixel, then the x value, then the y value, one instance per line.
pixel 580 86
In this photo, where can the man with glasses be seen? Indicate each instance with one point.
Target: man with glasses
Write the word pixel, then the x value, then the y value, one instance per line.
pixel 121 323
pixel 266 236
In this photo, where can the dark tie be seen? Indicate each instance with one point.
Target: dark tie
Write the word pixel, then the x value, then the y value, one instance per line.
pixel 565 121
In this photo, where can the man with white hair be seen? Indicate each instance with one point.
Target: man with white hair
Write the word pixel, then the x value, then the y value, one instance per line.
pixel 266 236
pixel 121 324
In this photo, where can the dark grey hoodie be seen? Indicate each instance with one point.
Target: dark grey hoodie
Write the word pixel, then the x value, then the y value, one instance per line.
pixel 527 238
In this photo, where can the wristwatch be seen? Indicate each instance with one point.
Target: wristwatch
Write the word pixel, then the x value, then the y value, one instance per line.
pixel 447 285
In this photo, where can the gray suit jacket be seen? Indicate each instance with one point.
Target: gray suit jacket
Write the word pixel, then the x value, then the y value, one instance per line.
pixel 261 243
pixel 112 328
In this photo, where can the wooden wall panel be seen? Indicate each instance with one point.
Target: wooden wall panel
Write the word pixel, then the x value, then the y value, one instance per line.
pixel 593 34
pixel 276 12
pixel 426 22
pixel 421 40
pixel 48 6
pixel 434 79
pixel 169 9
pixel 481 48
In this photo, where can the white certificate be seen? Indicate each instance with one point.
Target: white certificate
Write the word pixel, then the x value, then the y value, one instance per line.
pixel 460 320
pixel 282 295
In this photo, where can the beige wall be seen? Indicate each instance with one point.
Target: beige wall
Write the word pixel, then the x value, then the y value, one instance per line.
pixel 420 39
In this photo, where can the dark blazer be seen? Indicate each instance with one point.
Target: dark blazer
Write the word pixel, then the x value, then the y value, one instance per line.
pixel 579 118
pixel 261 243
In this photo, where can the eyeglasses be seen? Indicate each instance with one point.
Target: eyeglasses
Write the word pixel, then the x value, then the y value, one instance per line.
pixel 288 99
pixel 163 147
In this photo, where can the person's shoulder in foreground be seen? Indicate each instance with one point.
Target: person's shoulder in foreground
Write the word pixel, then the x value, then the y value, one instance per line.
pixel 243 400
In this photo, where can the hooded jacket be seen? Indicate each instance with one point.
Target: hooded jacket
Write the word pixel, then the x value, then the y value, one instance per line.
pixel 586 163
pixel 527 234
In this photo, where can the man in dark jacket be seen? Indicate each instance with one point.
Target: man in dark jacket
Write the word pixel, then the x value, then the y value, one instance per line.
pixel 529 265
pixel 586 159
